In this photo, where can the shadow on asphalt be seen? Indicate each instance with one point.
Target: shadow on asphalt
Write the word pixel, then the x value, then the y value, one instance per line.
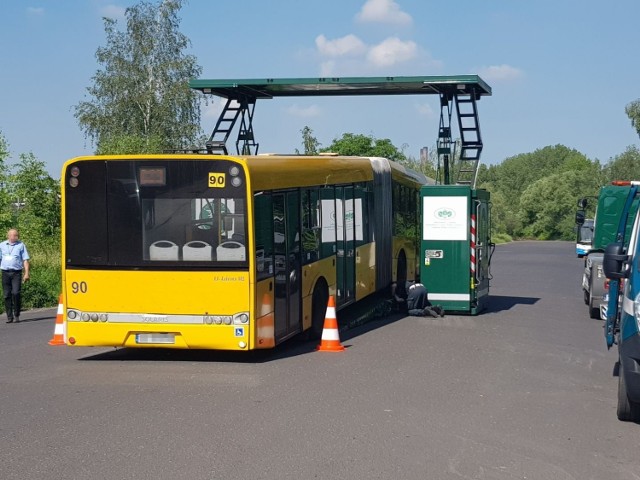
pixel 293 347
pixel 500 303
pixel 38 318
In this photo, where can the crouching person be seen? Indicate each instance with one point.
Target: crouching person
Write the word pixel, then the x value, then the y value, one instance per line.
pixel 413 298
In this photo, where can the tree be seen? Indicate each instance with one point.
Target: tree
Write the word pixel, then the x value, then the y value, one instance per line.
pixel 548 206
pixel 516 173
pixel 625 166
pixel 309 142
pixel 633 112
pixel 365 146
pixel 534 194
pixel 141 97
pixel 5 211
pixel 35 199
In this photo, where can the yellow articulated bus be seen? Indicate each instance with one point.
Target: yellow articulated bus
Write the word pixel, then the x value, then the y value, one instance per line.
pixel 224 252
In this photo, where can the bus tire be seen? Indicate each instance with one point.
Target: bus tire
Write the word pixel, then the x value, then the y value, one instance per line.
pixel 594 311
pixel 319 301
pixel 628 411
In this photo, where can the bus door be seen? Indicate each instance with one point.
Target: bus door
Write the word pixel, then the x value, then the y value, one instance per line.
pixel 482 247
pixel 286 244
pixel 345 241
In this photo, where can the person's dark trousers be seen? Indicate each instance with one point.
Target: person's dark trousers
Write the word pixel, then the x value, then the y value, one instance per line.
pixel 11 283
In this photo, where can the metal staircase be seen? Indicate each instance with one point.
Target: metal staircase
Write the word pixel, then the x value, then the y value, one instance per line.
pixel 470 140
pixel 233 109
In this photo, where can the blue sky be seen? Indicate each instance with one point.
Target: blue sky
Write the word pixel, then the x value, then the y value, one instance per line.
pixel 561 71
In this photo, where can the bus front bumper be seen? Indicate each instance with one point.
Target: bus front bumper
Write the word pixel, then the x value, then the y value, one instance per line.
pixel 215 337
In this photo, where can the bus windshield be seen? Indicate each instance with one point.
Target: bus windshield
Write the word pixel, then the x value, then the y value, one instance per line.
pixel 155 214
pixel 585 233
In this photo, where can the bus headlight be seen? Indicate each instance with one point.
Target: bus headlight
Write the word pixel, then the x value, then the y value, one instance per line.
pixel 72 314
pixel 217 319
pixel 85 317
pixel 227 320
pixel 240 318
pixel 236 181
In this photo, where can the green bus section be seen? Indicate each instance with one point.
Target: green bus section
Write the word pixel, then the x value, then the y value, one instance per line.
pixel 456 247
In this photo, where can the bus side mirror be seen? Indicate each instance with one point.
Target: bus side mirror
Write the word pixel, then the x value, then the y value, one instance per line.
pixel 580 217
pixel 614 260
pixel 582 203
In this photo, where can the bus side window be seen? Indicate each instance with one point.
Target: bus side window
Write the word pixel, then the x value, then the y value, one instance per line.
pixel 310 225
pixel 328 222
pixel 361 214
pixel 263 228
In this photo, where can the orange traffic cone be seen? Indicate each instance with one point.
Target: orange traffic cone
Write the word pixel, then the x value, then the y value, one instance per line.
pixel 330 341
pixel 58 333
pixel 265 323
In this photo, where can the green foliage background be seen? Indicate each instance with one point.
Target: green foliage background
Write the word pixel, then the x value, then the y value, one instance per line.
pixel 30 202
pixel 534 195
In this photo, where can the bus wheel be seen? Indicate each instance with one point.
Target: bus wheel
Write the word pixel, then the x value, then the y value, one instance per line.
pixel 628 411
pixel 594 312
pixel 319 302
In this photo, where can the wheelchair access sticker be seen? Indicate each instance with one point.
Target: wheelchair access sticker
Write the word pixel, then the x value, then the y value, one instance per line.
pixel 239 332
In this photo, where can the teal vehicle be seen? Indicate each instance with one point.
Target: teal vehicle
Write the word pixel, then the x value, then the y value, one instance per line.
pixel 609 210
pixel 621 264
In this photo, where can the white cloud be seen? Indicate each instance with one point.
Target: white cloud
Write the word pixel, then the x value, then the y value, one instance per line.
pixel 303 112
pixel 383 11
pixel 500 73
pixel 35 11
pixel 113 11
pixel 392 51
pixel 347 45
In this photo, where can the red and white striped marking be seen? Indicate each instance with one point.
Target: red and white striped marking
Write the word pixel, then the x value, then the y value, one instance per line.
pixel 473 246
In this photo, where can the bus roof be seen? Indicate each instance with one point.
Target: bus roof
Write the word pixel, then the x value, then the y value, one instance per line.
pixel 313 87
pixel 274 171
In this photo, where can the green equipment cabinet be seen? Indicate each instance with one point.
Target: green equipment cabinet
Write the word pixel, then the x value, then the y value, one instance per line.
pixel 456 247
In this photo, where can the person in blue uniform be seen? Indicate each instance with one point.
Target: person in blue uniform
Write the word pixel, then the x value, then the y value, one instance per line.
pixel 15 271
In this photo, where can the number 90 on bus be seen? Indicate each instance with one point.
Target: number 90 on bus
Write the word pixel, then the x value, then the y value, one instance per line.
pixel 216 180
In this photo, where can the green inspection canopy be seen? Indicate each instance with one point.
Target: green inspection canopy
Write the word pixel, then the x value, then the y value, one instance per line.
pixel 313 87
pixel 460 92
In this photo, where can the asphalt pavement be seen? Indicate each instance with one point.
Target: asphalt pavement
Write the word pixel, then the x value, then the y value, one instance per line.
pixel 524 391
